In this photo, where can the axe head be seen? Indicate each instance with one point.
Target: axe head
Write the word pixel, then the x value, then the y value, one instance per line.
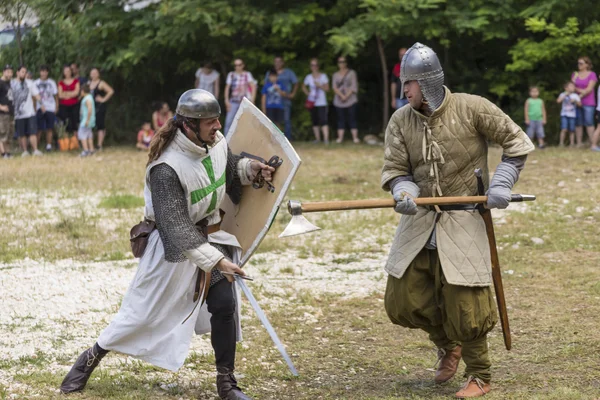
pixel 299 224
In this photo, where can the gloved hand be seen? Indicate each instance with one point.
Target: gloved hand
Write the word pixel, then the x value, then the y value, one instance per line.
pixel 499 192
pixel 404 192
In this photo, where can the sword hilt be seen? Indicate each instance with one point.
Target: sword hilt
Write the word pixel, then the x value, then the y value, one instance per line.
pixel 480 187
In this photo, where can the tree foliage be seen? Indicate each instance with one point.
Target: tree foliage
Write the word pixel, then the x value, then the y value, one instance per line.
pixel 494 48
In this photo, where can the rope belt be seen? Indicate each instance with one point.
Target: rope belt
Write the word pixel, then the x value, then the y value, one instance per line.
pixel 432 154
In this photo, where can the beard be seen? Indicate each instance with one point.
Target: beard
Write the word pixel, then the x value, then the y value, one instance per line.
pixel 211 137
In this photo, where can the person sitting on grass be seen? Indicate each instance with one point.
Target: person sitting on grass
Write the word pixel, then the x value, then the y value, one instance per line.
pixel 272 99
pixel 568 113
pixel 144 137
pixel 87 118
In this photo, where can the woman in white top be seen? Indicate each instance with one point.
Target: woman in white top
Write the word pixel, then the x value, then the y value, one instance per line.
pixel 316 84
pixel 208 79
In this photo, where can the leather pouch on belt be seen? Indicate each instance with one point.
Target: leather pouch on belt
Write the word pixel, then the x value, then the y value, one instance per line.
pixel 138 236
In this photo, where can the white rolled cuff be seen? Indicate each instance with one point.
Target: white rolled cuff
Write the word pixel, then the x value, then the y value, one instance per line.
pixel 245 171
pixel 204 257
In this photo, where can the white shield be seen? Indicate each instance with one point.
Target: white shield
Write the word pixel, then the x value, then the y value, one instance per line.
pixel 252 132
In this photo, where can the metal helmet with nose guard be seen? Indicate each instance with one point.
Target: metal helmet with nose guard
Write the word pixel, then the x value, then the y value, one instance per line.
pixel 421 64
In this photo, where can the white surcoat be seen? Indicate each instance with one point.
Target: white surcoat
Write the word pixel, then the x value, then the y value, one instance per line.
pixel 149 324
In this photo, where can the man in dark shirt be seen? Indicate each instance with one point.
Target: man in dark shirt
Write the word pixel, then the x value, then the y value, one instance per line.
pixel 82 79
pixel 6 111
pixel 289 84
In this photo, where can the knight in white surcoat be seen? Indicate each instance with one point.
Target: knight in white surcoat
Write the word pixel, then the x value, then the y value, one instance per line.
pixel 187 257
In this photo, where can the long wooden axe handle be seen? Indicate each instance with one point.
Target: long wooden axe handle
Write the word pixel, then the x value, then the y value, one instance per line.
pixel 339 205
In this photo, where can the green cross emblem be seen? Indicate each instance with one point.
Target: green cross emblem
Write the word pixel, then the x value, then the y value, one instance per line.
pixel 199 194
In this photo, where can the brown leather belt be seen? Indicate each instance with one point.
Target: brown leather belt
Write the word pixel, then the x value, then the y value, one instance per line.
pixel 203 278
pixel 213 228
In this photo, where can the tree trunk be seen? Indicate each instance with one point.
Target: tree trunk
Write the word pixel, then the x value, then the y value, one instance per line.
pixel 386 89
pixel 20 45
pixel 446 65
pixel 18 31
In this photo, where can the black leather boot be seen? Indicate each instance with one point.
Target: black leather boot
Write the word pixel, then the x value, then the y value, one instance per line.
pixel 81 371
pixel 227 386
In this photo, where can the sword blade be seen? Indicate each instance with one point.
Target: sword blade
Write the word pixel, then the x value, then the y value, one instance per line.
pixel 265 322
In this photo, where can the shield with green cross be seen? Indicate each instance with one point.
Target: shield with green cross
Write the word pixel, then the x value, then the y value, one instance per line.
pixel 252 132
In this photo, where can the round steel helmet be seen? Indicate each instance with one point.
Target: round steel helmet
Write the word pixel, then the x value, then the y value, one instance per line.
pixel 198 103
pixel 420 63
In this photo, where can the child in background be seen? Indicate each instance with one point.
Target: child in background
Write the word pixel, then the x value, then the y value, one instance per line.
pixel 144 137
pixel 535 116
pixel 87 118
pixel 569 100
pixel 272 99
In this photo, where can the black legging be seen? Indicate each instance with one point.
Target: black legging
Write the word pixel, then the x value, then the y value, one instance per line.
pixel 221 304
pixel 70 116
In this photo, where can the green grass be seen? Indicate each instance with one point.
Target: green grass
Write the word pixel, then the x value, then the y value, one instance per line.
pixel 122 201
pixel 287 270
pixel 346 260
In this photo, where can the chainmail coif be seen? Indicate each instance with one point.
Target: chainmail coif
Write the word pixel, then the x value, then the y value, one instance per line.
pixel 177 231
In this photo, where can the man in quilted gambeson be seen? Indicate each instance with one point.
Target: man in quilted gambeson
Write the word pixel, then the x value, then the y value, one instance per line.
pixel 439 265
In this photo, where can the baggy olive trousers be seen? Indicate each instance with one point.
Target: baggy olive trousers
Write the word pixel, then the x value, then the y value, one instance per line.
pixel 450 314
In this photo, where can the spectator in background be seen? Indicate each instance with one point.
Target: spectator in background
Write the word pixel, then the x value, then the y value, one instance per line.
pixel 272 99
pixel 68 97
pixel 82 79
pixel 396 85
pixel 87 116
pixel 47 106
pixel 24 93
pixel 289 86
pixel 239 84
pixel 570 101
pixel 101 92
pixel 144 137
pixel 208 79
pixel 316 84
pixel 535 116
pixel 6 111
pixel 596 137
pixel 585 80
pixel 162 113
pixel 345 86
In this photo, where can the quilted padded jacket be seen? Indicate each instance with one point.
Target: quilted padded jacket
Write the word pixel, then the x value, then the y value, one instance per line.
pixel 441 153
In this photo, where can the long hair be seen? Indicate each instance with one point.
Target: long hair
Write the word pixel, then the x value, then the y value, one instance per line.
pixel 63 71
pixel 587 61
pixel 166 134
